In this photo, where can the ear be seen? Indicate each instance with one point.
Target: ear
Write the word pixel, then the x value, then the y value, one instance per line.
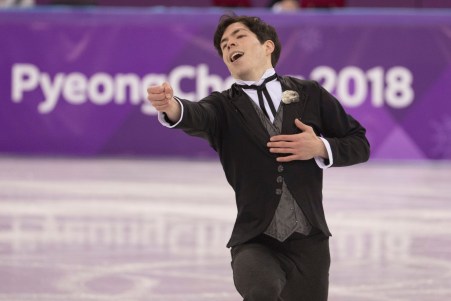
pixel 270 46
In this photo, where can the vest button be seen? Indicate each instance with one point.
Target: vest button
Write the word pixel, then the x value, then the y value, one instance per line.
pixel 279 179
pixel 280 168
pixel 278 191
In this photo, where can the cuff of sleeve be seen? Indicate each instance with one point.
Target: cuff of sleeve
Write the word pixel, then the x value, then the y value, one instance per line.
pixel 163 119
pixel 325 163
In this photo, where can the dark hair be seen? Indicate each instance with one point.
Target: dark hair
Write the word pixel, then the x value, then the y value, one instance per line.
pixel 262 30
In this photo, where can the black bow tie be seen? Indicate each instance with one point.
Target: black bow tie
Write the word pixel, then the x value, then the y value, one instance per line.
pixel 261 89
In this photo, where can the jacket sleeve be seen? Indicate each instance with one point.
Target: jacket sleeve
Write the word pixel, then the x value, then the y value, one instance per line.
pixel 201 119
pixel 345 135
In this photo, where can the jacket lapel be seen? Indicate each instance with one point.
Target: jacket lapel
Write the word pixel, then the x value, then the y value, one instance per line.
pixel 248 117
pixel 252 123
pixel 293 110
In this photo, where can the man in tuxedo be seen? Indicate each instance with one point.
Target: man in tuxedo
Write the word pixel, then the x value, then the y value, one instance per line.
pixel 274 136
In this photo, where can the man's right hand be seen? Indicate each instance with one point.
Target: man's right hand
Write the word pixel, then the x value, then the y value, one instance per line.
pixel 162 99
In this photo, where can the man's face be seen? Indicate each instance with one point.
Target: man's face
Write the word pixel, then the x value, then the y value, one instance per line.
pixel 244 55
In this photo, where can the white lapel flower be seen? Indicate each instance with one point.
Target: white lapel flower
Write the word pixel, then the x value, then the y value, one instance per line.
pixel 290 96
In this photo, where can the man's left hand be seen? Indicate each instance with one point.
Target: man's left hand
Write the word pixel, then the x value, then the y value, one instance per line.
pixel 303 146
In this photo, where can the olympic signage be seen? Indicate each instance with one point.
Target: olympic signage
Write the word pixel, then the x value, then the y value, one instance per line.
pixel 393 88
pixel 64 77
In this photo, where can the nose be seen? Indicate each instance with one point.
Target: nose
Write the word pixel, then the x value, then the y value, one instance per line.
pixel 231 43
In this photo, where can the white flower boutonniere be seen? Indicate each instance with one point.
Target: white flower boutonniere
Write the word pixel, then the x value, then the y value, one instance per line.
pixel 290 96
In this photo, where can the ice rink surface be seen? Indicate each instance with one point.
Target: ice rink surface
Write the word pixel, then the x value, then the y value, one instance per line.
pixel 155 230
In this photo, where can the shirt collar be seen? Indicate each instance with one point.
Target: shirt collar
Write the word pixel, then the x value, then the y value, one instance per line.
pixel 267 73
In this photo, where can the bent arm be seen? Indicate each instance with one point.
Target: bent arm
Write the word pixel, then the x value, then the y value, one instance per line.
pixel 346 136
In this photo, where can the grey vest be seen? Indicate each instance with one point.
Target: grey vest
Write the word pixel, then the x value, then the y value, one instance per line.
pixel 288 217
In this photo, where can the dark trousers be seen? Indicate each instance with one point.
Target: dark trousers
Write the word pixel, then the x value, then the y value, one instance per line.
pixel 297 269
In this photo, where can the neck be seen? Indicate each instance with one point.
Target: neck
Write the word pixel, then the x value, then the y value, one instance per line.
pixel 254 79
pixel 255 76
pixel 254 73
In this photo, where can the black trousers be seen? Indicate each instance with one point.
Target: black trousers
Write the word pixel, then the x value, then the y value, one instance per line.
pixel 297 269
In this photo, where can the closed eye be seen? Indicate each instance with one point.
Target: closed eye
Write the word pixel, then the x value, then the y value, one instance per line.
pixel 235 34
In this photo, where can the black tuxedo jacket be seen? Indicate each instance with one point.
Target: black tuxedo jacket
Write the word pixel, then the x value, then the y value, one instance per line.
pixel 231 125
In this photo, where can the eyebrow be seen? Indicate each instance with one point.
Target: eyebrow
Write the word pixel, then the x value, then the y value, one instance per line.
pixel 232 34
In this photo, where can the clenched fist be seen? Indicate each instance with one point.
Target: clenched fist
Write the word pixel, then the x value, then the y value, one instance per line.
pixel 162 99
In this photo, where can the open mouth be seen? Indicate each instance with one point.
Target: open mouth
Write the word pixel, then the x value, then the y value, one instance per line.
pixel 236 55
